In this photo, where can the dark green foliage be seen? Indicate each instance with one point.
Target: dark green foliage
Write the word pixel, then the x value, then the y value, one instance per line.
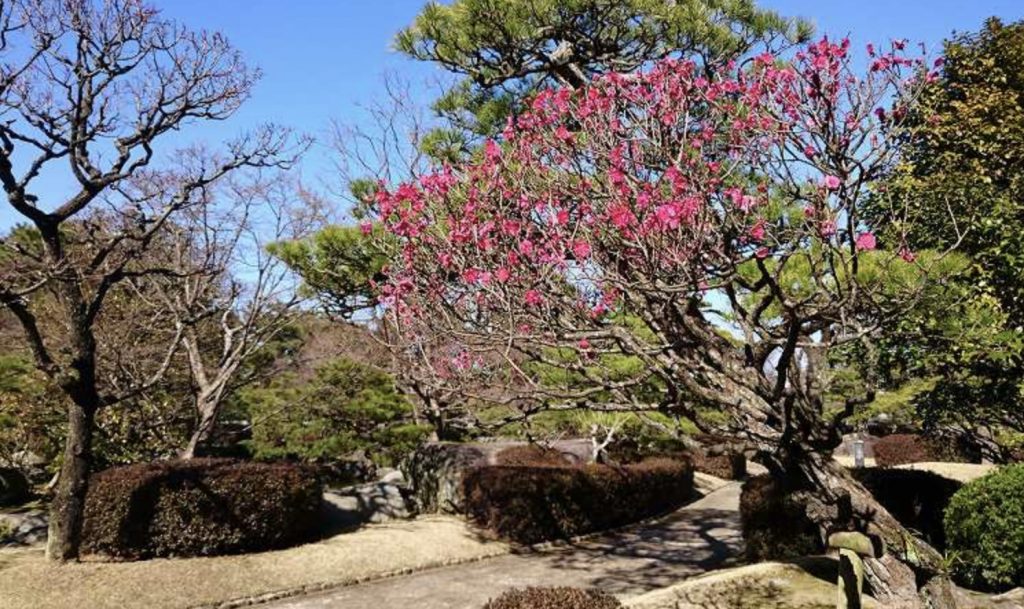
pixel 918 499
pixel 506 49
pixel 346 407
pixel 338 265
pixel 961 183
pixel 775 525
pixel 553 598
pixel 899 449
pixel 985 530
pixel 200 507
pixel 14 487
pixel 534 504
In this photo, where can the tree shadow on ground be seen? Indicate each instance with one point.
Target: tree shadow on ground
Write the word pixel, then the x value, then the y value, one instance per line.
pixel 653 555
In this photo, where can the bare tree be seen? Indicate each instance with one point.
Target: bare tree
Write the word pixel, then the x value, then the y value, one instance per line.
pixel 227 293
pixel 88 92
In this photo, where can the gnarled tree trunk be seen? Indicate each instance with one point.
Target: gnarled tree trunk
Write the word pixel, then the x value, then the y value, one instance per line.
pixel 910 575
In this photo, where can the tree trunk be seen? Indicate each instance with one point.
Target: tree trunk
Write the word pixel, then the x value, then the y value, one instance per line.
pixel 208 408
pixel 68 507
pixel 910 575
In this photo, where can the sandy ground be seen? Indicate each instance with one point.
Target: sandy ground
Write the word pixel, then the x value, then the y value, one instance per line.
pixel 28 581
pixel 963 472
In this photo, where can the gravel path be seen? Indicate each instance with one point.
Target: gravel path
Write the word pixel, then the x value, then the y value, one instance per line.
pixel 697 538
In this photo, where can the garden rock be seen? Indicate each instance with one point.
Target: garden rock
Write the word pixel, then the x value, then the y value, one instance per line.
pixel 435 470
pixel 23 528
pixel 368 503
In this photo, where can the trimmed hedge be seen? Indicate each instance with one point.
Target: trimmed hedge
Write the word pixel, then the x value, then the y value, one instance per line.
pixel 985 530
pixel 532 455
pixel 917 499
pixel 774 524
pixel 529 504
pixel 900 449
pixel 200 507
pixel 554 598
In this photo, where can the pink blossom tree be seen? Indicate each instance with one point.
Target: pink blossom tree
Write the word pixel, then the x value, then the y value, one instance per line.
pixel 706 226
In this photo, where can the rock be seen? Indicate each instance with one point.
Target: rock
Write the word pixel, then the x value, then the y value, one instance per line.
pixel 374 502
pixel 23 528
pixel 434 472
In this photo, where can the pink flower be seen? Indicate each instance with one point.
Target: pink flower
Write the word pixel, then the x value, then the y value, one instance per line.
pixel 832 182
pixel 907 255
pixel 502 274
pixel 828 228
pixel 581 249
pixel 526 247
pixel 563 134
pixel 533 298
pixel 492 152
pixel 866 241
pixel 668 216
pixel 761 253
pixel 584 344
pixel 809 211
pixel 366 227
pixel 757 231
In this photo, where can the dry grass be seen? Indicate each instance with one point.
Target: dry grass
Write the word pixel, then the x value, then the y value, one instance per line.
pixel 28 581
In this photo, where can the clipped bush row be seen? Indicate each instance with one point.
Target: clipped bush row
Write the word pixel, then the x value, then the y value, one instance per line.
pixel 554 598
pixel 532 455
pixel 773 522
pixel 900 449
pixel 984 526
pixel 775 526
pixel 200 507
pixel 531 504
pixel 917 499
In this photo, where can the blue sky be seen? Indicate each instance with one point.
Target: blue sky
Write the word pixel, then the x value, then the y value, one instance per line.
pixel 321 57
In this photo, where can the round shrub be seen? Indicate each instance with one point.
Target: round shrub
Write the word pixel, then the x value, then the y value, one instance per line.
pixel 199 507
pixel 554 598
pixel 985 530
pixel 774 523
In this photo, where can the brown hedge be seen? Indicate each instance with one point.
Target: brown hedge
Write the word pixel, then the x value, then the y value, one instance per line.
pixel 532 455
pixel 774 524
pixel 898 449
pixel 917 499
pixel 534 504
pixel 200 507
pixel 554 598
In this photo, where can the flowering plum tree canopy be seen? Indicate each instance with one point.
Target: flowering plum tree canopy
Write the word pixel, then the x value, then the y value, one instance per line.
pixel 704 224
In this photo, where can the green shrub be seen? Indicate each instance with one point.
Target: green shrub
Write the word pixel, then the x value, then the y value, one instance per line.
pixel 917 499
pixel 200 507
pixel 534 504
pixel 985 530
pixel 346 407
pixel 554 598
pixel 774 524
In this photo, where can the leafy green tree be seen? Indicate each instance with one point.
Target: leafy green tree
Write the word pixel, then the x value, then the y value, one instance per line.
pixel 346 407
pixel 962 184
pixel 505 49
